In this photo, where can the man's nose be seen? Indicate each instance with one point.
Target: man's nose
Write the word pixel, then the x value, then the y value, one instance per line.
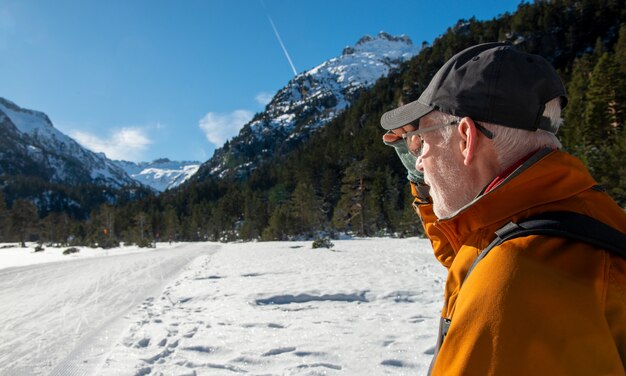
pixel 418 164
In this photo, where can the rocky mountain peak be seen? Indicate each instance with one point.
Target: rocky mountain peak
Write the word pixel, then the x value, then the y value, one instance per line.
pixel 160 174
pixel 383 37
pixel 46 152
pixel 309 101
pixel 24 117
pixel 383 44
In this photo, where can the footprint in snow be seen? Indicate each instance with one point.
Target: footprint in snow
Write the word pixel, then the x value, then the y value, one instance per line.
pixel 159 357
pixel 201 349
pixel 321 365
pixel 278 351
pixel 143 371
pixel 143 343
pixel 191 333
pixel 396 363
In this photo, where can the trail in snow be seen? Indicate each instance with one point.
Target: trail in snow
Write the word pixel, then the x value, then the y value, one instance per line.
pixel 368 307
pixel 61 318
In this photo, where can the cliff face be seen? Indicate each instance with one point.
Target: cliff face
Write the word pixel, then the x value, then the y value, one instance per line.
pixel 32 146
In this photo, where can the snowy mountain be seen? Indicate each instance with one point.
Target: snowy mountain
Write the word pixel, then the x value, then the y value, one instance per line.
pixel 308 102
pixel 161 174
pixel 30 145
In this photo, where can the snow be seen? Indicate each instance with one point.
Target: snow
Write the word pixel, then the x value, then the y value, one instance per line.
pixel 46 142
pixel 161 174
pixel 322 93
pixel 367 306
pixel 26 121
pixel 337 78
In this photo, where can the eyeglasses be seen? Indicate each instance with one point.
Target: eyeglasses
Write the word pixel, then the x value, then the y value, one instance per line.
pixel 415 142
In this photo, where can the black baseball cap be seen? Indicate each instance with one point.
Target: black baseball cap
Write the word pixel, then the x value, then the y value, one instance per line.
pixel 490 82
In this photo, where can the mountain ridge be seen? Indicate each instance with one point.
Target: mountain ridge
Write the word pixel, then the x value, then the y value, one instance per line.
pixel 63 159
pixel 308 102
pixel 161 174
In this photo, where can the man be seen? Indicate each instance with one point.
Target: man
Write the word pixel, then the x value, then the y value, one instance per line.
pixel 482 135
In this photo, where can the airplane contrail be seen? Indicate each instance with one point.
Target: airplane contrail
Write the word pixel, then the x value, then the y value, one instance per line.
pixel 295 73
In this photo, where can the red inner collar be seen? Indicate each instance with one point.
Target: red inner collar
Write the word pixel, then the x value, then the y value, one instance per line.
pixel 505 174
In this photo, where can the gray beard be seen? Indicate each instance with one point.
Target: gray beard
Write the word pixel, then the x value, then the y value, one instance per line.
pixel 449 193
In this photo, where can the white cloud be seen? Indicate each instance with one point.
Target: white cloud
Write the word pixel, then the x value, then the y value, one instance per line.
pixel 125 143
pixel 220 127
pixel 263 98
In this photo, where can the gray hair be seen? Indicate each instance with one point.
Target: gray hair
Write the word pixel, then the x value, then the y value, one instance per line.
pixel 511 144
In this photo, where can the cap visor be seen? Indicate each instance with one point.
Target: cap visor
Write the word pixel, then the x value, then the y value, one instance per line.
pixel 404 115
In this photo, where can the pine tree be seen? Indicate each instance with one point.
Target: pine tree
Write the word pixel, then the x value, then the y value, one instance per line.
pixel 228 214
pixel 604 112
pixel 102 225
pixel 56 228
pixel 613 169
pixel 393 200
pixel 189 228
pixel 171 227
pixel 373 210
pixel 254 216
pixel 277 196
pixel 620 50
pixel 409 223
pixel 306 209
pixel 620 79
pixel 24 220
pixel 279 224
pixel 573 133
pixel 619 150
pixel 349 213
pixel 330 192
pixel 142 231
pixel 4 219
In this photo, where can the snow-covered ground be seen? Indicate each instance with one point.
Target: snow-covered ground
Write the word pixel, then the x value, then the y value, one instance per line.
pixel 366 307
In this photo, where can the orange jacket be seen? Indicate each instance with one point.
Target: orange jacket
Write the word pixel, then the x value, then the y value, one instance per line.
pixel 536 305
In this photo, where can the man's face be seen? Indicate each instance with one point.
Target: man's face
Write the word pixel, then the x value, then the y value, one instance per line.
pixel 441 161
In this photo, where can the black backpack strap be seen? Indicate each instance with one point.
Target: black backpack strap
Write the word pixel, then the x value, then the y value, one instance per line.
pixel 563 224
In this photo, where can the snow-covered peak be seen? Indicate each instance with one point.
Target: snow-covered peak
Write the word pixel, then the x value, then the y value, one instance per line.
pixel 311 100
pixel 383 44
pixel 161 174
pixel 26 121
pixel 368 60
pixel 330 86
pixel 67 161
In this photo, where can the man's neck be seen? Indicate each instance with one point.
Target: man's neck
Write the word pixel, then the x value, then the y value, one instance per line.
pixel 508 171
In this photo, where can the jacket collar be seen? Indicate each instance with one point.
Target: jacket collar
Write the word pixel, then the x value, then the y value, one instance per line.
pixel 547 177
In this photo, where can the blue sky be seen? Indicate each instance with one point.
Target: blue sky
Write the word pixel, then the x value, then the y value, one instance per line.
pixel 145 79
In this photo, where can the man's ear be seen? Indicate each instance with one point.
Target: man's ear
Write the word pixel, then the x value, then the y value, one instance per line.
pixel 468 132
